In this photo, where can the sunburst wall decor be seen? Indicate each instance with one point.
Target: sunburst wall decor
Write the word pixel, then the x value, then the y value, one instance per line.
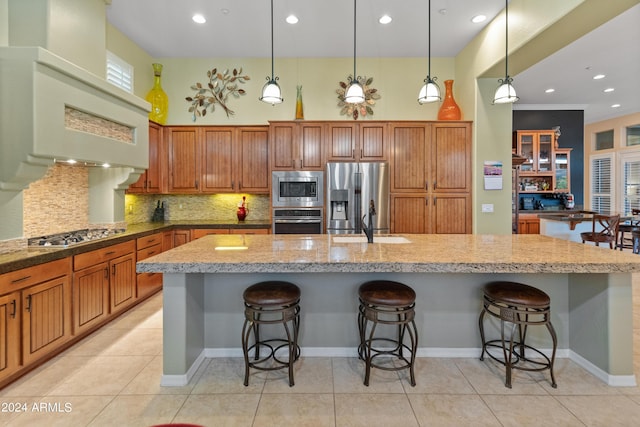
pixel 363 109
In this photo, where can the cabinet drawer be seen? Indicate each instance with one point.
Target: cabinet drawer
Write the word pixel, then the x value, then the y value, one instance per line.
pixel 101 255
pixel 197 233
pixel 150 251
pixel 147 241
pixel 19 279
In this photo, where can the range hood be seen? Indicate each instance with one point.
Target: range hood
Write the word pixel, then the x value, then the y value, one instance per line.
pixel 54 110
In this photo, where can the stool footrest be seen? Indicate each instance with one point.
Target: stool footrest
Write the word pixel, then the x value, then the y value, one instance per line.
pixel 273 351
pixel 541 366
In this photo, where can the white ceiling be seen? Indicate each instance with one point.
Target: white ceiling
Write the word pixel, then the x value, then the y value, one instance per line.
pixel 241 28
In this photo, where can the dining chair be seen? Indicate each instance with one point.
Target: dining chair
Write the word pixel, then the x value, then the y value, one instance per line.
pixel 604 229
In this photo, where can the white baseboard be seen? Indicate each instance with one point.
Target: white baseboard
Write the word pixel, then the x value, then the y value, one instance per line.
pixel 612 380
pixel 182 380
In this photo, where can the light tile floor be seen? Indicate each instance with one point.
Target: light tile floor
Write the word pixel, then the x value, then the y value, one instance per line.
pixel 112 379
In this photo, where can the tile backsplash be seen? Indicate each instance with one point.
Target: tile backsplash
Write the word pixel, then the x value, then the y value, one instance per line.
pixel 219 207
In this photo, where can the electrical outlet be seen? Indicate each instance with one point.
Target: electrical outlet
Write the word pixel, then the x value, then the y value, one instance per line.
pixel 487 207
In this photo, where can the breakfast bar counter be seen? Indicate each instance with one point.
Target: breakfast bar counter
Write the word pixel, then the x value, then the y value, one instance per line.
pixel 590 290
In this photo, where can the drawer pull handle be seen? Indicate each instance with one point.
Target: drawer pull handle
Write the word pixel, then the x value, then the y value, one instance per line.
pixel 22 279
pixel 28 303
pixel 13 311
pixel 152 252
pixel 110 253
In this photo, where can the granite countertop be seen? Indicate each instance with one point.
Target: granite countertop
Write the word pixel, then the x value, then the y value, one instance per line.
pixel 434 253
pixel 31 256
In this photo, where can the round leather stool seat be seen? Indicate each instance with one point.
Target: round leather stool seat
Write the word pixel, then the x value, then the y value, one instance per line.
pixel 385 302
pixel 271 293
pixel 268 303
pixel 387 293
pixel 517 294
pixel 522 306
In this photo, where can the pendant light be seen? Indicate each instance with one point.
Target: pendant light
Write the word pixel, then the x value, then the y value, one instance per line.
pixel 271 91
pixel 505 94
pixel 354 93
pixel 430 92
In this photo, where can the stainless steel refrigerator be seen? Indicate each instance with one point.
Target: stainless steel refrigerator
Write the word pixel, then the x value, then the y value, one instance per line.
pixel 350 189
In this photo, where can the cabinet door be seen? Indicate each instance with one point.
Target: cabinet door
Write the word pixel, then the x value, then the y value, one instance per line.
pixel 373 142
pixel 561 170
pixel 451 164
pixel 409 213
pixel 342 142
pixel 217 154
pixel 451 214
pixel 283 146
pixel 180 237
pixel 253 160
pixel 167 240
pixel 184 159
pixel 9 333
pixel 410 157
pixel 90 297
pixel 122 284
pixel 46 318
pixel 154 175
pixel 312 136
pixel 527 149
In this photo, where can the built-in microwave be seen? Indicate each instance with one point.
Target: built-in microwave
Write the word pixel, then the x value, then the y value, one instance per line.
pixel 297 188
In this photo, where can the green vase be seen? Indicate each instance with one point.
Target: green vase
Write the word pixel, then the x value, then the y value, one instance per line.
pixel 158 99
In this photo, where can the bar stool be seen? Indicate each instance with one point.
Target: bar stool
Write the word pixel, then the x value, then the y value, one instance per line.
pixel 271 302
pixel 522 306
pixel 384 302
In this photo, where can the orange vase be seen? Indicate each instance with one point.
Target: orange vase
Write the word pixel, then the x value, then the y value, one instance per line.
pixel 449 110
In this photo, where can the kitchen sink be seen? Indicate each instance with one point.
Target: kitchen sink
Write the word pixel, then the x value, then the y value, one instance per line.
pixel 376 239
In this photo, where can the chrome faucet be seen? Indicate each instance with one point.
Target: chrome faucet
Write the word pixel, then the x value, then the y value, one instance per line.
pixel 368 229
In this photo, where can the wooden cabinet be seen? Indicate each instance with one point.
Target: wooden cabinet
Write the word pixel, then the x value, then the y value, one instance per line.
pixel 153 179
pixel 104 282
pixel 218 159
pixel 183 151
pixel 196 233
pixel 35 313
pixel 546 169
pixel 167 240
pixel 297 145
pixel 146 247
pixel 430 177
pixel 9 334
pixel 180 237
pixel 528 224
pixel 349 142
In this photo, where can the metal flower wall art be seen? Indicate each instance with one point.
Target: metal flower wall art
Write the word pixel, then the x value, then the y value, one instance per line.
pixel 363 109
pixel 221 86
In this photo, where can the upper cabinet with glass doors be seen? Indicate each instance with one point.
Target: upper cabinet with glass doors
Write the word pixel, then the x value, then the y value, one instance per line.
pixel 546 168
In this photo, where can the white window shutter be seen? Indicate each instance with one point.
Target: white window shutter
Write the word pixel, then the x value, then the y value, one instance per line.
pixel 119 72
pixel 601 183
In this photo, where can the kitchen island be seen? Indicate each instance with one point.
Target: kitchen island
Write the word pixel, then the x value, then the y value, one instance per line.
pixel 590 291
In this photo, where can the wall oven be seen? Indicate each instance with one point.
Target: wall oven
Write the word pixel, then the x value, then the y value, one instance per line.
pixel 297 221
pixel 303 189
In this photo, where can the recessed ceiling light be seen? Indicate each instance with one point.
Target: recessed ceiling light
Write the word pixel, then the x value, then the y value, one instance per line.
pixel 615 106
pixel 199 19
pixel 224 11
pixel 598 77
pixel 478 19
pixel 292 19
pixel 550 90
pixel 385 19
pixel 609 89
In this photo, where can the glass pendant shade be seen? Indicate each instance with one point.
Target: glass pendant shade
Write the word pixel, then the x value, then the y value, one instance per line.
pixel 354 93
pixel 505 94
pixel 430 92
pixel 271 93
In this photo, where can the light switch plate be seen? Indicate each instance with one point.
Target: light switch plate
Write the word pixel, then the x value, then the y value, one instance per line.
pixel 487 207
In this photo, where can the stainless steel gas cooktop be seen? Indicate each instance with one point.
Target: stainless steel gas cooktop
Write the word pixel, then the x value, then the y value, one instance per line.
pixel 66 239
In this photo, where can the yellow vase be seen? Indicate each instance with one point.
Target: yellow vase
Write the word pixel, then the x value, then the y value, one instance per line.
pixel 158 99
pixel 299 110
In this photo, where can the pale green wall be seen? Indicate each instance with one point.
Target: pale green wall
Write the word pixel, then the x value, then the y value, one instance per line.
pixel 130 52
pixel 398 81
